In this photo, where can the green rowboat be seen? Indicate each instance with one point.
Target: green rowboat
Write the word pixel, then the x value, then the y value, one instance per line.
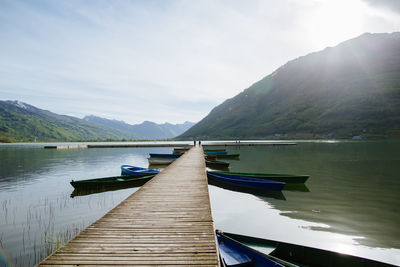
pixel 115 181
pixel 293 255
pixel 227 156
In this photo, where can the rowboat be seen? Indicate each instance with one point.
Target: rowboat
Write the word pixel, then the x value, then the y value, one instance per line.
pixel 210 157
pixel 247 182
pixel 137 171
pixel 233 253
pixel 215 152
pixel 84 191
pixel 115 181
pixel 154 155
pixel 217 164
pixel 227 156
pixel 160 161
pixel 293 255
pixel 286 178
pixel 180 150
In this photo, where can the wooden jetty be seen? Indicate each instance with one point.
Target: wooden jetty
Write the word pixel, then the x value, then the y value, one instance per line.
pixel 167 222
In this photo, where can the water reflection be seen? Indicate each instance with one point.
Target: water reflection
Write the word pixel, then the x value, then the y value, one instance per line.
pixel 37 213
pixel 353 186
pixel 296 187
pixel 263 194
pixel 349 203
pixel 96 190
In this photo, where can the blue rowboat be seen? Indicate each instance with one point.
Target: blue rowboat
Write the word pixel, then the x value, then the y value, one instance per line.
pixel 233 253
pixel 139 171
pixel 154 155
pixel 293 255
pixel 247 182
pixel 286 178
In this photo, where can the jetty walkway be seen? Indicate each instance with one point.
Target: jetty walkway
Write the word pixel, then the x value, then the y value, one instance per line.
pixel 167 222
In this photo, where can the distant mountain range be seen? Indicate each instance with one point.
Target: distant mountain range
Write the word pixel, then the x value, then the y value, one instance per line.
pixel 145 130
pixel 352 89
pixel 23 122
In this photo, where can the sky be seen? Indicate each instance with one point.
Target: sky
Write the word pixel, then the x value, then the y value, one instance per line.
pixel 164 61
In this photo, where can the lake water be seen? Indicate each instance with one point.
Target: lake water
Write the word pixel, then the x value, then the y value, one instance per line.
pixel 350 204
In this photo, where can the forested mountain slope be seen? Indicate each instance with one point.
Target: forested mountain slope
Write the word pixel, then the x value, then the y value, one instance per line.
pixel 351 89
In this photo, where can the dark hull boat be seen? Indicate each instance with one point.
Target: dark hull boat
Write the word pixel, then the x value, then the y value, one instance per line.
pixel 178 150
pixel 174 156
pixel 215 152
pixel 246 182
pixel 217 164
pixel 84 191
pixel 210 157
pixel 292 255
pixel 233 253
pixel 137 171
pixel 286 178
pixel 107 182
pixel 227 156
pixel 160 161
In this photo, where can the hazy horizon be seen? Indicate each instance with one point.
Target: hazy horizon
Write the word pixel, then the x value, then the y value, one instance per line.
pixel 164 61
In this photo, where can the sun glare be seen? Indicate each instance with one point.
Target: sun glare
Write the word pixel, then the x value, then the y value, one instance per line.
pixel 335 21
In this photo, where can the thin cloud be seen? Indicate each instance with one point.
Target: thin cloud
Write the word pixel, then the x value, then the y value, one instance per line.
pixel 391 5
pixel 161 60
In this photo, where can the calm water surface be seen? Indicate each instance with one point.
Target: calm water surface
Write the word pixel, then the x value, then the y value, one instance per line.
pixel 350 204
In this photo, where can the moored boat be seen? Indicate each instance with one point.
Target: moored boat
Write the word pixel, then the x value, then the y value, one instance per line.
pixel 178 150
pixel 217 163
pixel 286 178
pixel 227 156
pixel 138 171
pixel 115 181
pixel 233 253
pixel 215 152
pixel 210 157
pixel 160 161
pixel 289 254
pixel 247 182
pixel 157 155
pixel 84 191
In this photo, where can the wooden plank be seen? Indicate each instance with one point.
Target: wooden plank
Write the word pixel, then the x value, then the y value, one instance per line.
pixel 167 222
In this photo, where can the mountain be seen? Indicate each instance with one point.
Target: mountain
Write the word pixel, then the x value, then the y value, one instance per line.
pixel 145 130
pixel 24 122
pixel 348 90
